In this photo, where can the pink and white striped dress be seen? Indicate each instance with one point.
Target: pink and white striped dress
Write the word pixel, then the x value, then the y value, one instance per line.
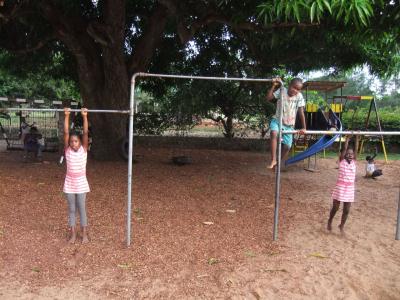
pixel 344 189
pixel 75 180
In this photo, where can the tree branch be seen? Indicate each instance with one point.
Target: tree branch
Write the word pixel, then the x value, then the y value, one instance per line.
pixel 149 41
pixel 186 32
pixel 38 46
pixel 71 31
pixel 99 33
pixel 8 13
pixel 114 12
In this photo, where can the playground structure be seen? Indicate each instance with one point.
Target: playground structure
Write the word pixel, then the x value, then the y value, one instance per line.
pixel 49 122
pixel 372 107
pixel 319 119
pixel 130 156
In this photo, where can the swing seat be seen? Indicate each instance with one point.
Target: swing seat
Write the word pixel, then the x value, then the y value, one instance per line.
pixel 182 160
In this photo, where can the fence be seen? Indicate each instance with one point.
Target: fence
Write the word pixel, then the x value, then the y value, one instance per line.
pixel 13 123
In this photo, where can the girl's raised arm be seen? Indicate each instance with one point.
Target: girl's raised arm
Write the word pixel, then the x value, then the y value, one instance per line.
pixel 344 150
pixel 85 134
pixel 66 126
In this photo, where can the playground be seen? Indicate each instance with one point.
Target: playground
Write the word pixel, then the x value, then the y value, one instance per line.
pixel 199 149
pixel 199 231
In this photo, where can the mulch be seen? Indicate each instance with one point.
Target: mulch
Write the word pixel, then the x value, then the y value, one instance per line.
pixel 230 191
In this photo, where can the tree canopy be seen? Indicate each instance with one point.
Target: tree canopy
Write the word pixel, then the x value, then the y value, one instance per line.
pixel 102 43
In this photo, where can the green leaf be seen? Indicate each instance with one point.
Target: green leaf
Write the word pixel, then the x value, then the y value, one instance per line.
pixel 368 11
pixel 279 9
pixel 318 255
pixel 250 253
pixel 212 261
pixel 275 270
pixel 312 11
pixel 320 5
pixel 328 6
pixel 123 266
pixel 296 12
pixel 288 8
pixel 348 14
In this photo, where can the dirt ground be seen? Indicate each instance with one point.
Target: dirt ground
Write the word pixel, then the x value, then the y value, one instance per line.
pixel 174 255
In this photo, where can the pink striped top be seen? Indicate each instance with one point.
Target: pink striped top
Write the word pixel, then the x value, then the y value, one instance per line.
pixel 75 179
pixel 344 189
pixel 347 172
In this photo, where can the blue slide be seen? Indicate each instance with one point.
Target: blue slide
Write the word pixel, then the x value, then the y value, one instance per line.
pixel 324 142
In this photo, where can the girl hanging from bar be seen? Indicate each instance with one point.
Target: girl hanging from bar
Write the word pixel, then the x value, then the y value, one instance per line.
pixel 76 185
pixel 344 189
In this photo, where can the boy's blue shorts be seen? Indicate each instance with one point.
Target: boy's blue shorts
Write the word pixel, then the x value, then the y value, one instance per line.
pixel 287 139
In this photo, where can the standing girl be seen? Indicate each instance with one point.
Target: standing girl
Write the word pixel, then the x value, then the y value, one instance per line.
pixel 76 185
pixel 344 189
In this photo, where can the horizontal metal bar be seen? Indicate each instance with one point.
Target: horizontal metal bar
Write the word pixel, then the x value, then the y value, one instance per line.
pixel 202 77
pixel 110 111
pixel 351 132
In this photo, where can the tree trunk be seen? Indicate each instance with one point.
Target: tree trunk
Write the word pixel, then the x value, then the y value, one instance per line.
pixel 228 127
pixel 109 92
pixel 98 47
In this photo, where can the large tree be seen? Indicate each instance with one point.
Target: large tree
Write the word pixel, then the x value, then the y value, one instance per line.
pixel 104 42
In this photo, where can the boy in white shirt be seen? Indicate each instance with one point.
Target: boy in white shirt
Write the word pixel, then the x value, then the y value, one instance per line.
pixel 293 102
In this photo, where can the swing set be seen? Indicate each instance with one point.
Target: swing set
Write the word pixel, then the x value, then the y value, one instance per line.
pixel 372 107
pixel 319 118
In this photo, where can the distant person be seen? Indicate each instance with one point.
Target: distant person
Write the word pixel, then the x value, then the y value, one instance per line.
pixel 24 129
pixel 333 123
pixel 370 169
pixel 293 102
pixel 76 185
pixel 33 142
pixel 344 189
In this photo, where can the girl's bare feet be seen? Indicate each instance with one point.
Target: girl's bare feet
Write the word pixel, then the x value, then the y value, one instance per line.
pixel 329 227
pixel 85 238
pixel 272 164
pixel 341 227
pixel 72 238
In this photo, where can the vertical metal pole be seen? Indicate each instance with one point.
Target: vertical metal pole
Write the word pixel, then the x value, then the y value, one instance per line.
pixel 278 169
pixel 130 155
pixel 315 161
pixel 341 115
pixel 398 220
pixel 380 129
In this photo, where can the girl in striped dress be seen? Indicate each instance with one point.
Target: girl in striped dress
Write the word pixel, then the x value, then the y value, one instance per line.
pixel 344 189
pixel 76 185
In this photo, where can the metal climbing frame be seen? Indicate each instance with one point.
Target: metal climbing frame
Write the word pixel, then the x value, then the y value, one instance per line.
pixel 132 105
pixel 113 111
pixel 131 117
pixel 278 167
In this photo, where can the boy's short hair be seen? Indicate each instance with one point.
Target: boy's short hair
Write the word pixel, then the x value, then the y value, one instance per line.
pixel 369 158
pixel 296 80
